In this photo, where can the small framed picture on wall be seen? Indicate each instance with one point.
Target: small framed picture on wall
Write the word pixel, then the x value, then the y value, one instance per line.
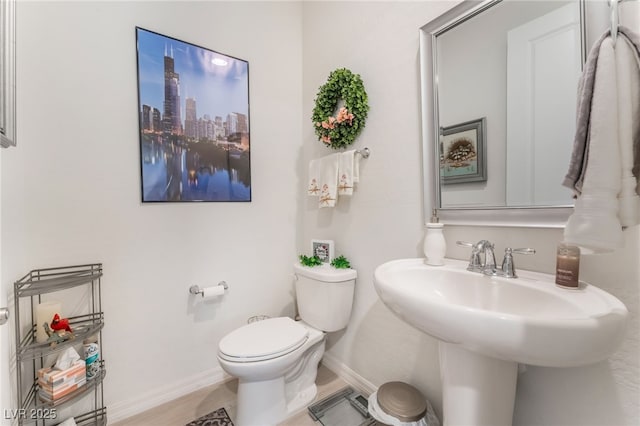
pixel 324 249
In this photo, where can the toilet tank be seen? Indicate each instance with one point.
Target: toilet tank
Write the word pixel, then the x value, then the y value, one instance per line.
pixel 324 296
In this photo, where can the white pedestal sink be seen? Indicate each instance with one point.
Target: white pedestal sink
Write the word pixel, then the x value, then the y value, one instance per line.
pixel 487 325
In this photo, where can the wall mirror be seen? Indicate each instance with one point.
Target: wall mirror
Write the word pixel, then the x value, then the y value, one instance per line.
pixel 7 74
pixel 499 81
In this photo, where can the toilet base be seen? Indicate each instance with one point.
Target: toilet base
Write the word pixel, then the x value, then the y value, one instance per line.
pixel 302 400
pixel 260 403
pixel 269 402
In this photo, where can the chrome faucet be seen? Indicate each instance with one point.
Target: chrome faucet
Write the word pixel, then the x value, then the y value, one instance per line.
pixel 486 264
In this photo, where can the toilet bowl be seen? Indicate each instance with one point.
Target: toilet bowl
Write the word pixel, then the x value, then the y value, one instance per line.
pixel 276 360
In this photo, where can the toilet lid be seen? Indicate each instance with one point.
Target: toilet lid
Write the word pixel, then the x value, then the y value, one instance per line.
pixel 262 340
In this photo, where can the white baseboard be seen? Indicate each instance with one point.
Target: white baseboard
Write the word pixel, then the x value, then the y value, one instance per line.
pixel 347 374
pixel 125 409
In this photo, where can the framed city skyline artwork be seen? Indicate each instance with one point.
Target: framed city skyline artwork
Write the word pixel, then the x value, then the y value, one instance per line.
pixel 193 110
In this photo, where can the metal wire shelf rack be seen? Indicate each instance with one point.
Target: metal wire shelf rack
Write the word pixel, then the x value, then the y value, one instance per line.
pixel 32 355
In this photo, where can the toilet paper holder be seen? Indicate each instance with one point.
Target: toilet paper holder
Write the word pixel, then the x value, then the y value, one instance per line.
pixel 195 289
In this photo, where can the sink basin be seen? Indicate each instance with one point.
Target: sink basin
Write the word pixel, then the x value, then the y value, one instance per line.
pixel 527 319
pixel 487 325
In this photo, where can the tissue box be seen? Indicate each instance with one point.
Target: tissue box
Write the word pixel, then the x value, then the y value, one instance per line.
pixel 54 384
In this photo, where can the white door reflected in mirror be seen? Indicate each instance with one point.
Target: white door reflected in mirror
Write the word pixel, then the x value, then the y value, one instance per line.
pixel 543 68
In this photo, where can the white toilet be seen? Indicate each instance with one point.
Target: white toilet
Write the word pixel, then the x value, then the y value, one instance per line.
pixel 276 360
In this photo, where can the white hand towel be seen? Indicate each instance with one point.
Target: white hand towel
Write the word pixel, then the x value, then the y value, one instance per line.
pixel 347 172
pixel 634 38
pixel 594 225
pixel 313 187
pixel 328 180
pixel 356 166
pixel 628 81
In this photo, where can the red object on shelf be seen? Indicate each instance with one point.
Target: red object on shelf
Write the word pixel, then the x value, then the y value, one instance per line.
pixel 58 323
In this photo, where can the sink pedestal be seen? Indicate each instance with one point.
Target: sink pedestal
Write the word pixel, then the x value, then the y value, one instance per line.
pixel 477 390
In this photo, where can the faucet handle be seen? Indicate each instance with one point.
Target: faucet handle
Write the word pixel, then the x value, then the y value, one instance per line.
pixel 465 243
pixel 521 250
pixel 475 264
pixel 508 267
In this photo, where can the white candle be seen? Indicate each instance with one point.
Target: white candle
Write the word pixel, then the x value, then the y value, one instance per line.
pixel 44 313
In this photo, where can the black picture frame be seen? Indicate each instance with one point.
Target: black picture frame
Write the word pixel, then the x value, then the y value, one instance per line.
pixel 193 112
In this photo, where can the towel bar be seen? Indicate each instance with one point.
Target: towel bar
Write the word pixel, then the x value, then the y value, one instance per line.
pixel 365 152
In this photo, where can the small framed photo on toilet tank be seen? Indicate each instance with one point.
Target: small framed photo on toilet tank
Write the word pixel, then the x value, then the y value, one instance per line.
pixel 324 249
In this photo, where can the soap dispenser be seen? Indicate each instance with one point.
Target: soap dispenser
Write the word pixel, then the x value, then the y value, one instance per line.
pixel 435 245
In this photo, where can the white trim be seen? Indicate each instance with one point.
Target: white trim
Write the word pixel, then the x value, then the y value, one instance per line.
pixel 347 374
pixel 124 409
pixel 8 128
pixel 551 217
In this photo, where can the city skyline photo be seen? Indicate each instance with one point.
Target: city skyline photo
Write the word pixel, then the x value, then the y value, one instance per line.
pixel 194 121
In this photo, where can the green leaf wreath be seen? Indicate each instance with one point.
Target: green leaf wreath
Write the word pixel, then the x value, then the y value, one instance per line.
pixel 339 127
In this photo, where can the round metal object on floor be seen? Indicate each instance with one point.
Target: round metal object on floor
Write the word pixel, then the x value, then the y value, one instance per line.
pixel 402 401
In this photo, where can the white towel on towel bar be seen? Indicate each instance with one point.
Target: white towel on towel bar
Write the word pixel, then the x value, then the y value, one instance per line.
pixel 333 175
pixel 594 224
pixel 328 180
pixel 348 172
pixel 313 186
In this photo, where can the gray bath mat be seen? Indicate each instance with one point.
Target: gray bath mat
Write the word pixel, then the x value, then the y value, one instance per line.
pixel 215 418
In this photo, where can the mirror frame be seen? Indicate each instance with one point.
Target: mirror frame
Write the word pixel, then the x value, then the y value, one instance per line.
pixel 536 217
pixel 7 73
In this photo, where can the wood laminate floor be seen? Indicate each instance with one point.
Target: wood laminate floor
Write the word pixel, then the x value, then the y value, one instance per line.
pixel 189 407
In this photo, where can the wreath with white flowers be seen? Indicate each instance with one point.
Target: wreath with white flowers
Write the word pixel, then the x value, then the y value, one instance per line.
pixel 339 127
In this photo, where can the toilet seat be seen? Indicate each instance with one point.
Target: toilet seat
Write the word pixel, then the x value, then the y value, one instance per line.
pixel 263 340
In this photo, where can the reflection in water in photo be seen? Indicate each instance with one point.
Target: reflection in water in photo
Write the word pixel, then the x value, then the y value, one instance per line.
pixel 195 171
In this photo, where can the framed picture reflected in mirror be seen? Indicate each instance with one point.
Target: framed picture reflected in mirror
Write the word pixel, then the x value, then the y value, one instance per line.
pixel 463 152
